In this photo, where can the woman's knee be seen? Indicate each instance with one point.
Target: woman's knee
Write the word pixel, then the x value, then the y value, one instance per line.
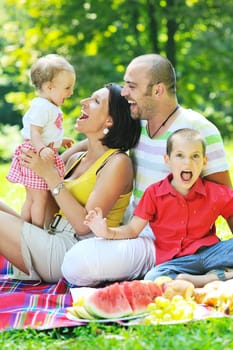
pixel 73 267
pixel 67 268
pixel 80 264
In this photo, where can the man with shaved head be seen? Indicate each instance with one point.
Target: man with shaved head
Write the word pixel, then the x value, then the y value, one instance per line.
pixel 150 88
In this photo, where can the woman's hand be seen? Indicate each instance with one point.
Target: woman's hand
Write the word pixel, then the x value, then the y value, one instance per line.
pixel 95 221
pixel 32 160
pixel 73 211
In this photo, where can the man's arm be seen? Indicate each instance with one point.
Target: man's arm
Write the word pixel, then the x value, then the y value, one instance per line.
pixel 230 223
pixel 222 177
pixel 78 147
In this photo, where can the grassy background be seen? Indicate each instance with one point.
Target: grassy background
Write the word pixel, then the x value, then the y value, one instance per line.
pixel 12 194
pixel 208 334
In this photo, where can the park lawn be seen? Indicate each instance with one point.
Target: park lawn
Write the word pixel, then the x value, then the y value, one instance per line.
pixel 212 334
pixel 215 333
pixel 10 193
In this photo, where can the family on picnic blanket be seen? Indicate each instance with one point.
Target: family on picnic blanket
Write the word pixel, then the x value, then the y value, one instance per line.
pixel 174 185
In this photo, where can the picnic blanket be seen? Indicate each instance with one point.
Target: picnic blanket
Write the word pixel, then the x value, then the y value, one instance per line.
pixel 32 304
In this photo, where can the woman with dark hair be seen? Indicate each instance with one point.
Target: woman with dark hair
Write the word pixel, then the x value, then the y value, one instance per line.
pixel 101 176
pixel 125 132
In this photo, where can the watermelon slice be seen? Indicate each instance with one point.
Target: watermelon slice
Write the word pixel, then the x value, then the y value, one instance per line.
pixel 108 302
pixel 79 312
pixel 140 293
pixel 79 295
pixel 117 300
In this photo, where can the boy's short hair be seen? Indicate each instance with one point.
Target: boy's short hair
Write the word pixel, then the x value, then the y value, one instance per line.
pixel 188 134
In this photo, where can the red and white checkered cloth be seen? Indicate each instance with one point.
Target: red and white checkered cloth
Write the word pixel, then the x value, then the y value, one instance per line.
pixel 25 176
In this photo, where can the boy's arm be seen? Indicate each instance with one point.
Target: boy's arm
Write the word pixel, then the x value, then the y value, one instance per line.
pixel 98 225
pixel 222 177
pixel 78 147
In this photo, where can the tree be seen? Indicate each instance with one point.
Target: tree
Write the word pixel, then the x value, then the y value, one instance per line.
pixel 100 37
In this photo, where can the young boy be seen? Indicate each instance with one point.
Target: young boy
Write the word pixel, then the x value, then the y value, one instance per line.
pixel 181 210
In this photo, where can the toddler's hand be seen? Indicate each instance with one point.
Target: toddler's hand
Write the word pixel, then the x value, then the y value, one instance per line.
pixel 46 153
pixel 67 142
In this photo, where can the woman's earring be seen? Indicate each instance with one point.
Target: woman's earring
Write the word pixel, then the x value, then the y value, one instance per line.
pixel 105 131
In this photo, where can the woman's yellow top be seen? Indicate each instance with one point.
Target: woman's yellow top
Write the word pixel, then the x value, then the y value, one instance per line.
pixel 82 187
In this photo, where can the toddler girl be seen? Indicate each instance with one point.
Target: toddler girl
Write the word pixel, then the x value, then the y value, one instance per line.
pixel 54 79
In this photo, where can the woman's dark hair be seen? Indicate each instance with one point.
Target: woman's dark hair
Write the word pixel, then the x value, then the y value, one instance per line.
pixel 125 132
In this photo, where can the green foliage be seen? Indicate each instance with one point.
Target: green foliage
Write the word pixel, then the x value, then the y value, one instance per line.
pixel 12 194
pixel 10 138
pixel 100 38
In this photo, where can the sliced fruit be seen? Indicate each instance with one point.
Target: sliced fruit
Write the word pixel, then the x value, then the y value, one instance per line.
pixel 108 302
pixel 140 294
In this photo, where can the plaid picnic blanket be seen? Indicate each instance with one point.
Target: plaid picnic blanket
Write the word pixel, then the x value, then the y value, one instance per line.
pixel 31 304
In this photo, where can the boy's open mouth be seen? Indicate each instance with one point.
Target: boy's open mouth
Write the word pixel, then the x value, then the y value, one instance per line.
pixel 186 175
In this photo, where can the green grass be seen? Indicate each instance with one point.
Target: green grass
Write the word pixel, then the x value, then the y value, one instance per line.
pixel 208 334
pixel 12 194
pixel 212 334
